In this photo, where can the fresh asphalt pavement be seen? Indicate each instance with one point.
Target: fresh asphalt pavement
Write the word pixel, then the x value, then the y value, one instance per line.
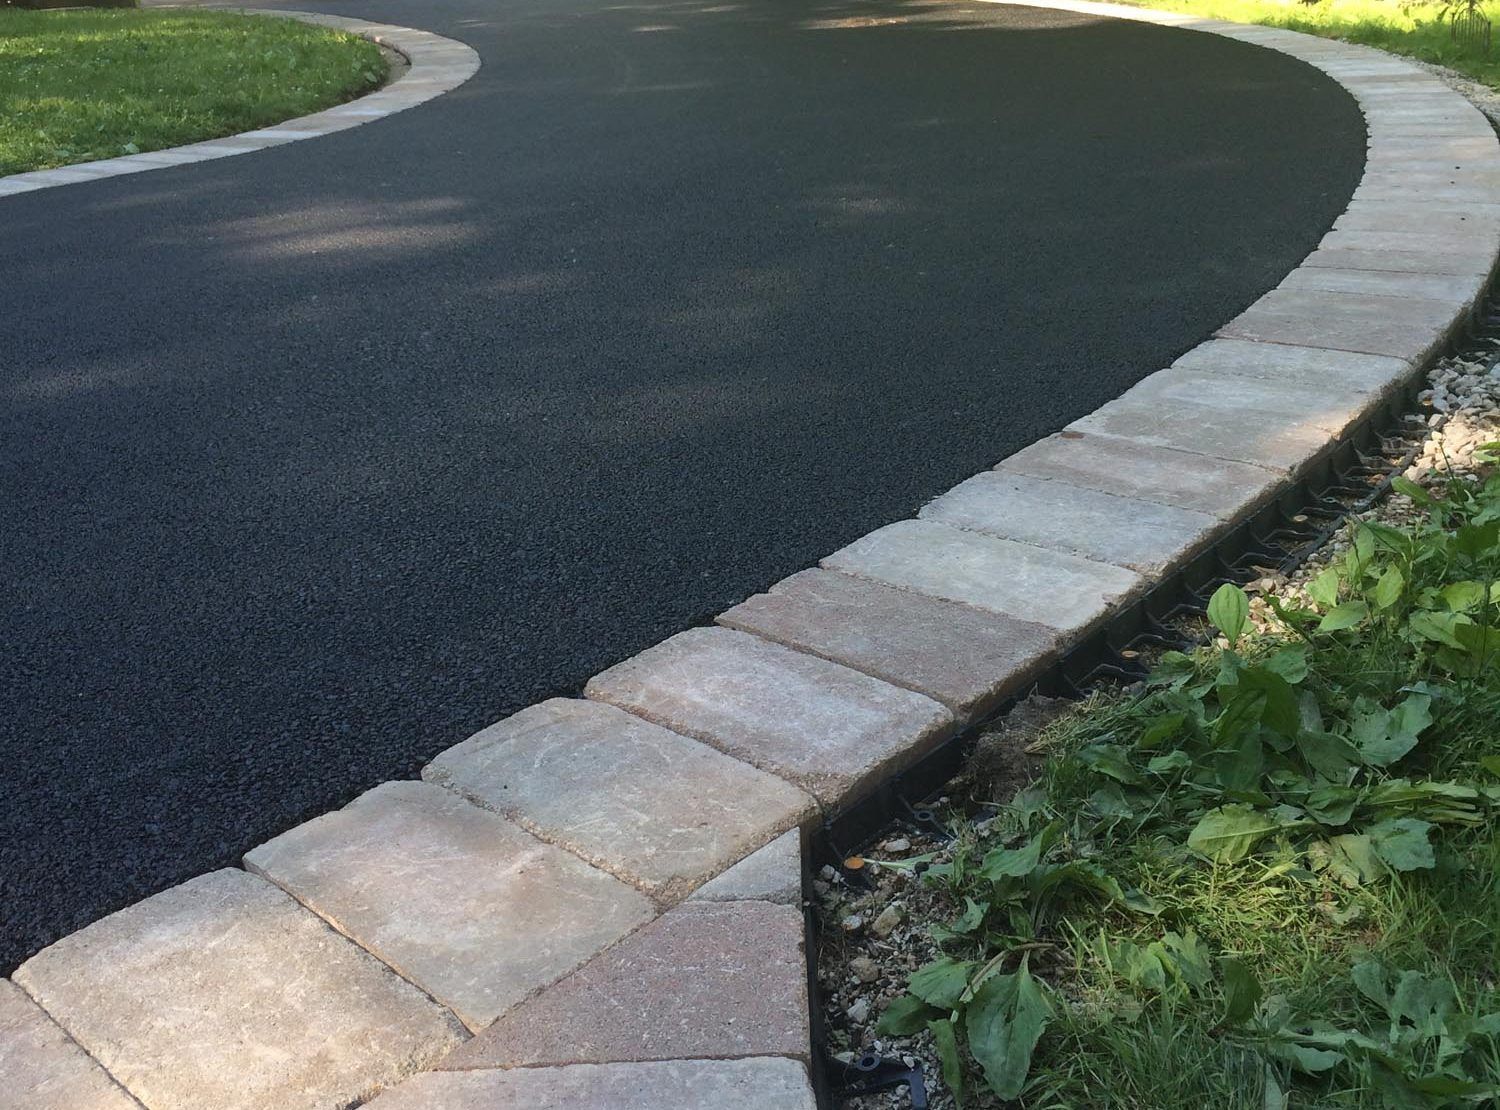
pixel 313 461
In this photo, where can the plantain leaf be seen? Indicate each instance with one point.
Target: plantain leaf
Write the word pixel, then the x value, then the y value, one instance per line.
pixel 1004 1021
pixel 947 1050
pixel 1242 991
pixel 1227 834
pixel 941 982
pixel 1229 611
pixel 905 1016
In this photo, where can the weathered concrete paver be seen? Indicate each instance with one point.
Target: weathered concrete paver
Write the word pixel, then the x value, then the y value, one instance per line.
pixel 636 799
pixel 42 1068
pixel 757 1083
pixel 1297 366
pixel 961 656
pixel 1132 469
pixel 1142 535
pixel 1002 576
pixel 826 728
pixel 475 911
pixel 769 874
pixel 708 979
pixel 1453 289
pixel 224 992
pixel 1331 405
pixel 1221 428
pixel 1403 327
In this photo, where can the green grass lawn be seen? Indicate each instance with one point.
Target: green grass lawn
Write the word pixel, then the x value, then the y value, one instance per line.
pixel 81 85
pixel 1418 30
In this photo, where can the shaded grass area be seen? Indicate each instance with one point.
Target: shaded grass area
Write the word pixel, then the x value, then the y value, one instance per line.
pixel 82 85
pixel 1268 878
pixel 1419 30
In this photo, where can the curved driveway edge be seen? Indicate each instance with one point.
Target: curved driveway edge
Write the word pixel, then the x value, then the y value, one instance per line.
pixel 529 889
pixel 438 65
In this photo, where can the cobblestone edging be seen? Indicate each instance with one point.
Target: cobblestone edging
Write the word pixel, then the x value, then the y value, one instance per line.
pixel 437 65
pixel 514 926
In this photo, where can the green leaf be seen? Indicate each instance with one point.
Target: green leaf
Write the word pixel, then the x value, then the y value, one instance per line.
pixel 1438 627
pixel 971 918
pixel 1329 755
pixel 1476 540
pixel 1461 596
pixel 1289 662
pixel 1411 489
pixel 1402 843
pixel 1172 761
pixel 1281 711
pixel 1382 736
pixel 1138 965
pixel 1111 760
pixel 1349 860
pixel 1306 1058
pixel 947 1050
pixel 1242 991
pixel 1239 766
pixel 1332 805
pixel 1001 863
pixel 905 1016
pixel 941 982
pixel 1004 1021
pixel 1324 589
pixel 1346 615
pixel 1491 763
pixel 1388 590
pixel 1227 834
pixel 1190 955
pixel 1160 729
pixel 1229 610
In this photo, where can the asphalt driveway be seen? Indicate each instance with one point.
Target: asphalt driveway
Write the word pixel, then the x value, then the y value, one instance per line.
pixel 314 461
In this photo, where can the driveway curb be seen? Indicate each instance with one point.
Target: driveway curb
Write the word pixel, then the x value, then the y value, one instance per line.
pixel 604 986
pixel 438 65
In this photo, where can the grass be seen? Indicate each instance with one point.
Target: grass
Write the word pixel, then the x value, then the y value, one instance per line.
pixel 82 85
pixel 1268 878
pixel 1418 30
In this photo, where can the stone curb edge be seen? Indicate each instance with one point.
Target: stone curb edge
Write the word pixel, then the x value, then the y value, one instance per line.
pixel 553 863
pixel 438 65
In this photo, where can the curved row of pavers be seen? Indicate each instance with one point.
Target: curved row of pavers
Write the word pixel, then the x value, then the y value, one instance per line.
pixel 531 889
pixel 437 65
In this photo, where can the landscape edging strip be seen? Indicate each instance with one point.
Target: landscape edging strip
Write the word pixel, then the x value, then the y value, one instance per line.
pixel 436 65
pixel 1357 291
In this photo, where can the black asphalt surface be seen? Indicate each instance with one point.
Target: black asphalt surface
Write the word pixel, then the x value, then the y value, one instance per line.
pixel 316 460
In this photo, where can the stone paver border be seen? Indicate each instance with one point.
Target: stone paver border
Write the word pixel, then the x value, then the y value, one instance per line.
pixel 655 960
pixel 437 65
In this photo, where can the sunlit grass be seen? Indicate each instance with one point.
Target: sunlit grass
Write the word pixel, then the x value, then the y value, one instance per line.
pixel 1417 30
pixel 82 85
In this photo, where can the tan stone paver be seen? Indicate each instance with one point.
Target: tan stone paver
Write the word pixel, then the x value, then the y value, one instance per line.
pixel 1002 576
pixel 769 874
pixel 474 910
pixel 1047 512
pixel 708 979
pixel 224 992
pixel 825 727
pixel 1124 466
pixel 961 656
pixel 42 1068
pixel 757 1083
pixel 644 803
